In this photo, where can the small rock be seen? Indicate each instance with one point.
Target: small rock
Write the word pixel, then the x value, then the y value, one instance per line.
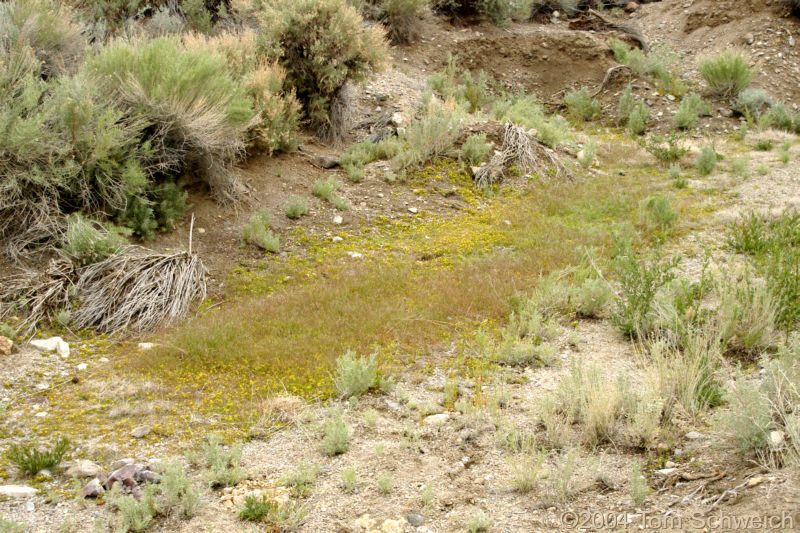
pixel 436 420
pixel 336 238
pixel 725 112
pixel 413 210
pixel 397 120
pixel 391 526
pixel 17 491
pixel 327 162
pixel 666 471
pixel 392 405
pixel 83 468
pixel 6 345
pixel 671 97
pixel 145 346
pixel 355 255
pixel 631 7
pixel 201 230
pixel 41 414
pixel 755 481
pixel 749 38
pixel 670 464
pixel 415 520
pixel 29 506
pixel 337 220
pixel 116 465
pixel 82 366
pixel 141 431
pixel 93 489
pixel 694 435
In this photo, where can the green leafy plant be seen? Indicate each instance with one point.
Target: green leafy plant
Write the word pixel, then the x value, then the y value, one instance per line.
pixel 656 213
pixel 475 149
pixel 706 162
pixel 581 106
pixel 31 460
pixel 691 106
pixel 349 479
pixel 257 232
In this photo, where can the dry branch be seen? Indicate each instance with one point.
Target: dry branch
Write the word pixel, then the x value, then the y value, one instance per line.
pixel 522 150
pixel 137 290
pixel 41 293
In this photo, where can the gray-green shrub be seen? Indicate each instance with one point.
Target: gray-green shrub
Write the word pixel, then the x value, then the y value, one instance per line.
pixel 355 375
pixel 581 106
pixel 750 102
pixel 726 74
pixel 475 149
pixel 87 241
pixel 691 107
pixel 336 439
pixel 296 207
pixel 706 162
pixel 257 232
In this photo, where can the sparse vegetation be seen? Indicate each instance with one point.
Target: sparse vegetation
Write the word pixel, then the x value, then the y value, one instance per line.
pixel 300 479
pixel 475 149
pixel 336 439
pixel 349 479
pixel 296 207
pixel 355 375
pixel 222 463
pixel 386 483
pixel 257 232
pixel 691 107
pixel 581 106
pixel 479 522
pixel 656 213
pixel 706 162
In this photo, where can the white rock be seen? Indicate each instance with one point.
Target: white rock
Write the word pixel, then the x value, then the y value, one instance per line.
pixel 413 210
pixel 694 435
pixel 53 344
pixel 145 346
pixel 17 491
pixel 336 238
pixel 337 220
pixel 776 438
pixel 436 420
pixel 41 414
pixel 82 366
pixel 141 431
pixel 397 119
pixel 103 359
pixel 666 471
pixel 355 255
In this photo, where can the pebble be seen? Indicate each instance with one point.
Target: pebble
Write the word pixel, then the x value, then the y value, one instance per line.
pixel 355 255
pixel 337 220
pixel 436 420
pixel 145 346
pixel 694 435
pixel 413 210
pixel 6 345
pixel 82 366
pixel 415 520
pixel 336 238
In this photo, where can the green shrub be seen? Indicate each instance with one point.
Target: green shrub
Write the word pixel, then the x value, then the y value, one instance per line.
pixel 726 74
pixel 739 166
pixel 177 490
pixel 581 106
pixel 136 513
pixel 656 65
pixel 355 375
pixel 196 115
pixel 31 460
pixel 296 207
pixel 674 171
pixel 479 522
pixel 323 45
pixel 432 135
pixel 626 104
pixel 666 150
pixel 475 149
pixel 745 314
pixel 764 145
pixel 656 213
pixel 336 439
pixel 257 232
pixel 46 28
pixel 349 479
pixel 402 17
pixel 707 161
pixel 637 120
pixel 525 111
pixel 325 189
pixel 640 279
pixel 691 106
pixel 87 241
pixel 592 297
pixel 499 12
pixel 222 466
pixel 470 92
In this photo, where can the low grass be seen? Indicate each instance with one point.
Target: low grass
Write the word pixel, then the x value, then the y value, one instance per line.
pixel 423 282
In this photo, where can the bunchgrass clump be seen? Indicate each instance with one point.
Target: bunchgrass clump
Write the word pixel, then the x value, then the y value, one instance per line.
pixel 349 479
pixel 764 145
pixel 386 483
pixel 638 118
pixel 740 166
pixel 526 466
pixel 637 484
pixel 706 162
pixel 656 213
pixel 355 375
pixel 288 516
pixel 31 460
pixel 296 207
pixel 300 480
pixel 726 74
pixel 588 154
pixel 479 522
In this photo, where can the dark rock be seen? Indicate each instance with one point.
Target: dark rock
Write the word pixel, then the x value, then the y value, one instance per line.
pixel 93 489
pixel 415 520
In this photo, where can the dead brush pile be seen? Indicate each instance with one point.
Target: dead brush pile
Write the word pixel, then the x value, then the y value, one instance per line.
pixel 134 290
pixel 524 152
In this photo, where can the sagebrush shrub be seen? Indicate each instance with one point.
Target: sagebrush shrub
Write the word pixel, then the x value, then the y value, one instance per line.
pixel 336 439
pixel 638 118
pixel 706 162
pixel 223 467
pixel 432 135
pixel 355 375
pixel 726 74
pixel 48 29
pixel 475 149
pixel 691 107
pixel 778 117
pixel 402 18
pixel 300 479
pixel 656 213
pixel 323 45
pixel 750 102
pixel 197 116
pixel 296 207
pixel 581 106
pixel 745 313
